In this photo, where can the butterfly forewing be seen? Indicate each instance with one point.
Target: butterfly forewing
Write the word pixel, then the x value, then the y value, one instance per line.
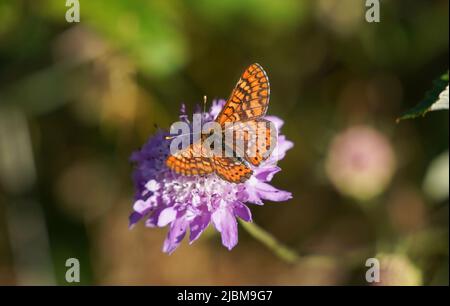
pixel 249 99
pixel 254 140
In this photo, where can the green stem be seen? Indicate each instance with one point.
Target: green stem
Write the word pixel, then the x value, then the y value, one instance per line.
pixel 271 242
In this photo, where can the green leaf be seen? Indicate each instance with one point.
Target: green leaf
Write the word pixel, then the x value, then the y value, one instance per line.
pixel 435 99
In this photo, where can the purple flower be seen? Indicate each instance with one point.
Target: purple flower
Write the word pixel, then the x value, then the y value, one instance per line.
pixel 164 198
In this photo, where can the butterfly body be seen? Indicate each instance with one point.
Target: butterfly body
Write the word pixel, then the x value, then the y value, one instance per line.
pixel 242 117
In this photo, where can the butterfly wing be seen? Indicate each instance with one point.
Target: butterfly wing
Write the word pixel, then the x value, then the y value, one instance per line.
pixel 231 169
pixel 249 99
pixel 190 161
pixel 187 162
pixel 253 140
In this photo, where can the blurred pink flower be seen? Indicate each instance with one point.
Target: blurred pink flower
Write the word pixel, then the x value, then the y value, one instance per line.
pixel 360 162
pixel 398 270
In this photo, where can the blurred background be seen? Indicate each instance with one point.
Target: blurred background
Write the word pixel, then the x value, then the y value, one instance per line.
pixel 76 99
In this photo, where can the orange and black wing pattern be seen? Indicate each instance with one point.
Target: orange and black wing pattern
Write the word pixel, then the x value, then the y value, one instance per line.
pixel 254 140
pixel 231 169
pixel 247 104
pixel 185 162
pixel 258 137
pixel 249 99
pixel 190 161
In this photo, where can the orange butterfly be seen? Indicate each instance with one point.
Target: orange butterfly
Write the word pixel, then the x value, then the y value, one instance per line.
pixel 247 105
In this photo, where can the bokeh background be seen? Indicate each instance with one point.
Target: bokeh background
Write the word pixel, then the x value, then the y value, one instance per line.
pixel 77 98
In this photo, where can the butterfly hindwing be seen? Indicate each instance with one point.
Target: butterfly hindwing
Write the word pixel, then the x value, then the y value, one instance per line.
pixel 190 161
pixel 231 169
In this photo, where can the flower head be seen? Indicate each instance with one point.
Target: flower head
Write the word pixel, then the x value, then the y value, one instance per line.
pixel 164 198
pixel 360 162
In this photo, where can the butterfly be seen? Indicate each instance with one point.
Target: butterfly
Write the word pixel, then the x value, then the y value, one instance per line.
pixel 246 107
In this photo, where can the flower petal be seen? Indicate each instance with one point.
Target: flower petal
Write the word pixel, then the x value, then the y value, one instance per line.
pixel 216 107
pixel 253 196
pixel 166 216
pixel 198 225
pixel 266 173
pixel 183 115
pixel 268 192
pixel 225 222
pixel 275 120
pixel 242 211
pixel 282 146
pixel 152 220
pixel 152 185
pixel 252 191
pixel 175 235
pixel 141 206
pixel 133 219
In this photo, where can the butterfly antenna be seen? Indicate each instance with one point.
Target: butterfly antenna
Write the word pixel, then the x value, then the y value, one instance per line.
pixel 174 136
pixel 205 99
